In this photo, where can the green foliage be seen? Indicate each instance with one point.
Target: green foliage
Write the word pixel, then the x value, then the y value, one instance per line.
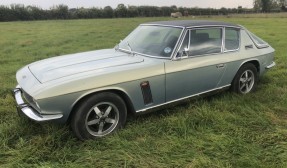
pixel 18 12
pixel 269 5
pixel 266 5
pixel 224 130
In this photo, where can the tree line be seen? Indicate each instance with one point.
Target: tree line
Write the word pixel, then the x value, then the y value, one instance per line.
pixel 20 12
pixel 270 5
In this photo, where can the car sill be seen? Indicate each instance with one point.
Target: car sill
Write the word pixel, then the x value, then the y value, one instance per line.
pixel 187 97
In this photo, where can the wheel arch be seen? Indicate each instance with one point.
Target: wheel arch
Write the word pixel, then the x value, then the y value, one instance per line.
pixel 117 91
pixel 255 62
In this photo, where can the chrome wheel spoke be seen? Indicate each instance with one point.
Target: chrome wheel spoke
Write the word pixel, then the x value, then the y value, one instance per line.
pixel 249 79
pixel 93 122
pixel 247 87
pixel 242 86
pixel 110 120
pixel 242 79
pixel 246 75
pixel 102 119
pixel 98 111
pixel 107 112
pixel 101 127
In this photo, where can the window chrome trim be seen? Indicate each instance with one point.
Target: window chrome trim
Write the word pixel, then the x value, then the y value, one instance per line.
pixel 239 40
pixel 199 28
pixel 203 55
pixel 153 56
pixel 162 25
pixel 223 40
pixel 176 45
pixel 259 46
pixel 179 44
pixel 208 26
pixel 182 40
pixel 176 100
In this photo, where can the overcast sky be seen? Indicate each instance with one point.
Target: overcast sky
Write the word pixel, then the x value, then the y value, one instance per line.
pixel 46 4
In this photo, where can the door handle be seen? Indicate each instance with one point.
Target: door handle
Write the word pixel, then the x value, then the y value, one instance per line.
pixel 249 46
pixel 220 66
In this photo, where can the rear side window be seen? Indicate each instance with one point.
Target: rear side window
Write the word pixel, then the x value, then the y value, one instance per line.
pixel 231 39
pixel 205 41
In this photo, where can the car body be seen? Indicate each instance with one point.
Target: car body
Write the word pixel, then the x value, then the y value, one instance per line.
pixel 157 64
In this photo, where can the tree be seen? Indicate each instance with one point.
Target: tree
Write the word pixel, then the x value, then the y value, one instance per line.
pixel 132 11
pixel 95 13
pixel 223 11
pixel 257 5
pixel 108 12
pixel 265 5
pixel 20 12
pixel 283 4
pixel 60 12
pixel 173 8
pixel 121 10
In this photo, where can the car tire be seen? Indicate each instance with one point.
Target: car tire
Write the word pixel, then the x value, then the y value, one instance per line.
pixel 98 115
pixel 245 80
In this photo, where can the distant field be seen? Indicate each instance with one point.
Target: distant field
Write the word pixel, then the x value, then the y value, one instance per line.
pixel 225 130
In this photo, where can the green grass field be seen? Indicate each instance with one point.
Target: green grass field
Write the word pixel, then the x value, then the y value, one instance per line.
pixel 224 130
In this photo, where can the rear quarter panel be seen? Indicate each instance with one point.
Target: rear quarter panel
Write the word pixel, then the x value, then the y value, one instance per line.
pixel 234 60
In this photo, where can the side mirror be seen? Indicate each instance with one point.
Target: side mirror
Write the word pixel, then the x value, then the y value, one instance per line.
pixel 182 54
pixel 117 47
pixel 185 51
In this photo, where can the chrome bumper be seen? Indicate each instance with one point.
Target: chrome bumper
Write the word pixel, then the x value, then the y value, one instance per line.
pixel 24 108
pixel 271 65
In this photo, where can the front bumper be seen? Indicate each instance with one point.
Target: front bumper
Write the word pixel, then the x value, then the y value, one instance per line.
pixel 271 65
pixel 30 112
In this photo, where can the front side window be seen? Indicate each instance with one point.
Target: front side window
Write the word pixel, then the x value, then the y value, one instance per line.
pixel 231 39
pixel 150 40
pixel 203 41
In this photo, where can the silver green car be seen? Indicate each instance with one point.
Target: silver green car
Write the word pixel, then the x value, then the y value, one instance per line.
pixel 159 63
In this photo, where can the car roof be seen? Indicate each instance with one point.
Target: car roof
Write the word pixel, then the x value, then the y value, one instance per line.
pixel 191 23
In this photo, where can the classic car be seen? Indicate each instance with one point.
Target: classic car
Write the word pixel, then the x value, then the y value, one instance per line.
pixel 158 63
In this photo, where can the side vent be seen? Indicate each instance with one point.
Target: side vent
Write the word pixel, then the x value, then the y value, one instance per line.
pixel 147 96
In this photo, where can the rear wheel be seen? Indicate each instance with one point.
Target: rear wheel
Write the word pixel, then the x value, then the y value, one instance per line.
pixel 245 80
pixel 98 116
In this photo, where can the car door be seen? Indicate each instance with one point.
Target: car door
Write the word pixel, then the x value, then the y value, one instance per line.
pixel 200 67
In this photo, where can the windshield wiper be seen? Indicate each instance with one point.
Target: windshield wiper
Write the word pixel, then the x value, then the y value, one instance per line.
pixel 130 48
pixel 117 47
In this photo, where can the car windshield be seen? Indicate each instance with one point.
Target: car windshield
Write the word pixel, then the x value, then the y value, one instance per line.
pixel 150 40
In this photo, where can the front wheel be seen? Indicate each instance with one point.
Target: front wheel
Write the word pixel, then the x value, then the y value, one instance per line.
pixel 98 116
pixel 245 80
